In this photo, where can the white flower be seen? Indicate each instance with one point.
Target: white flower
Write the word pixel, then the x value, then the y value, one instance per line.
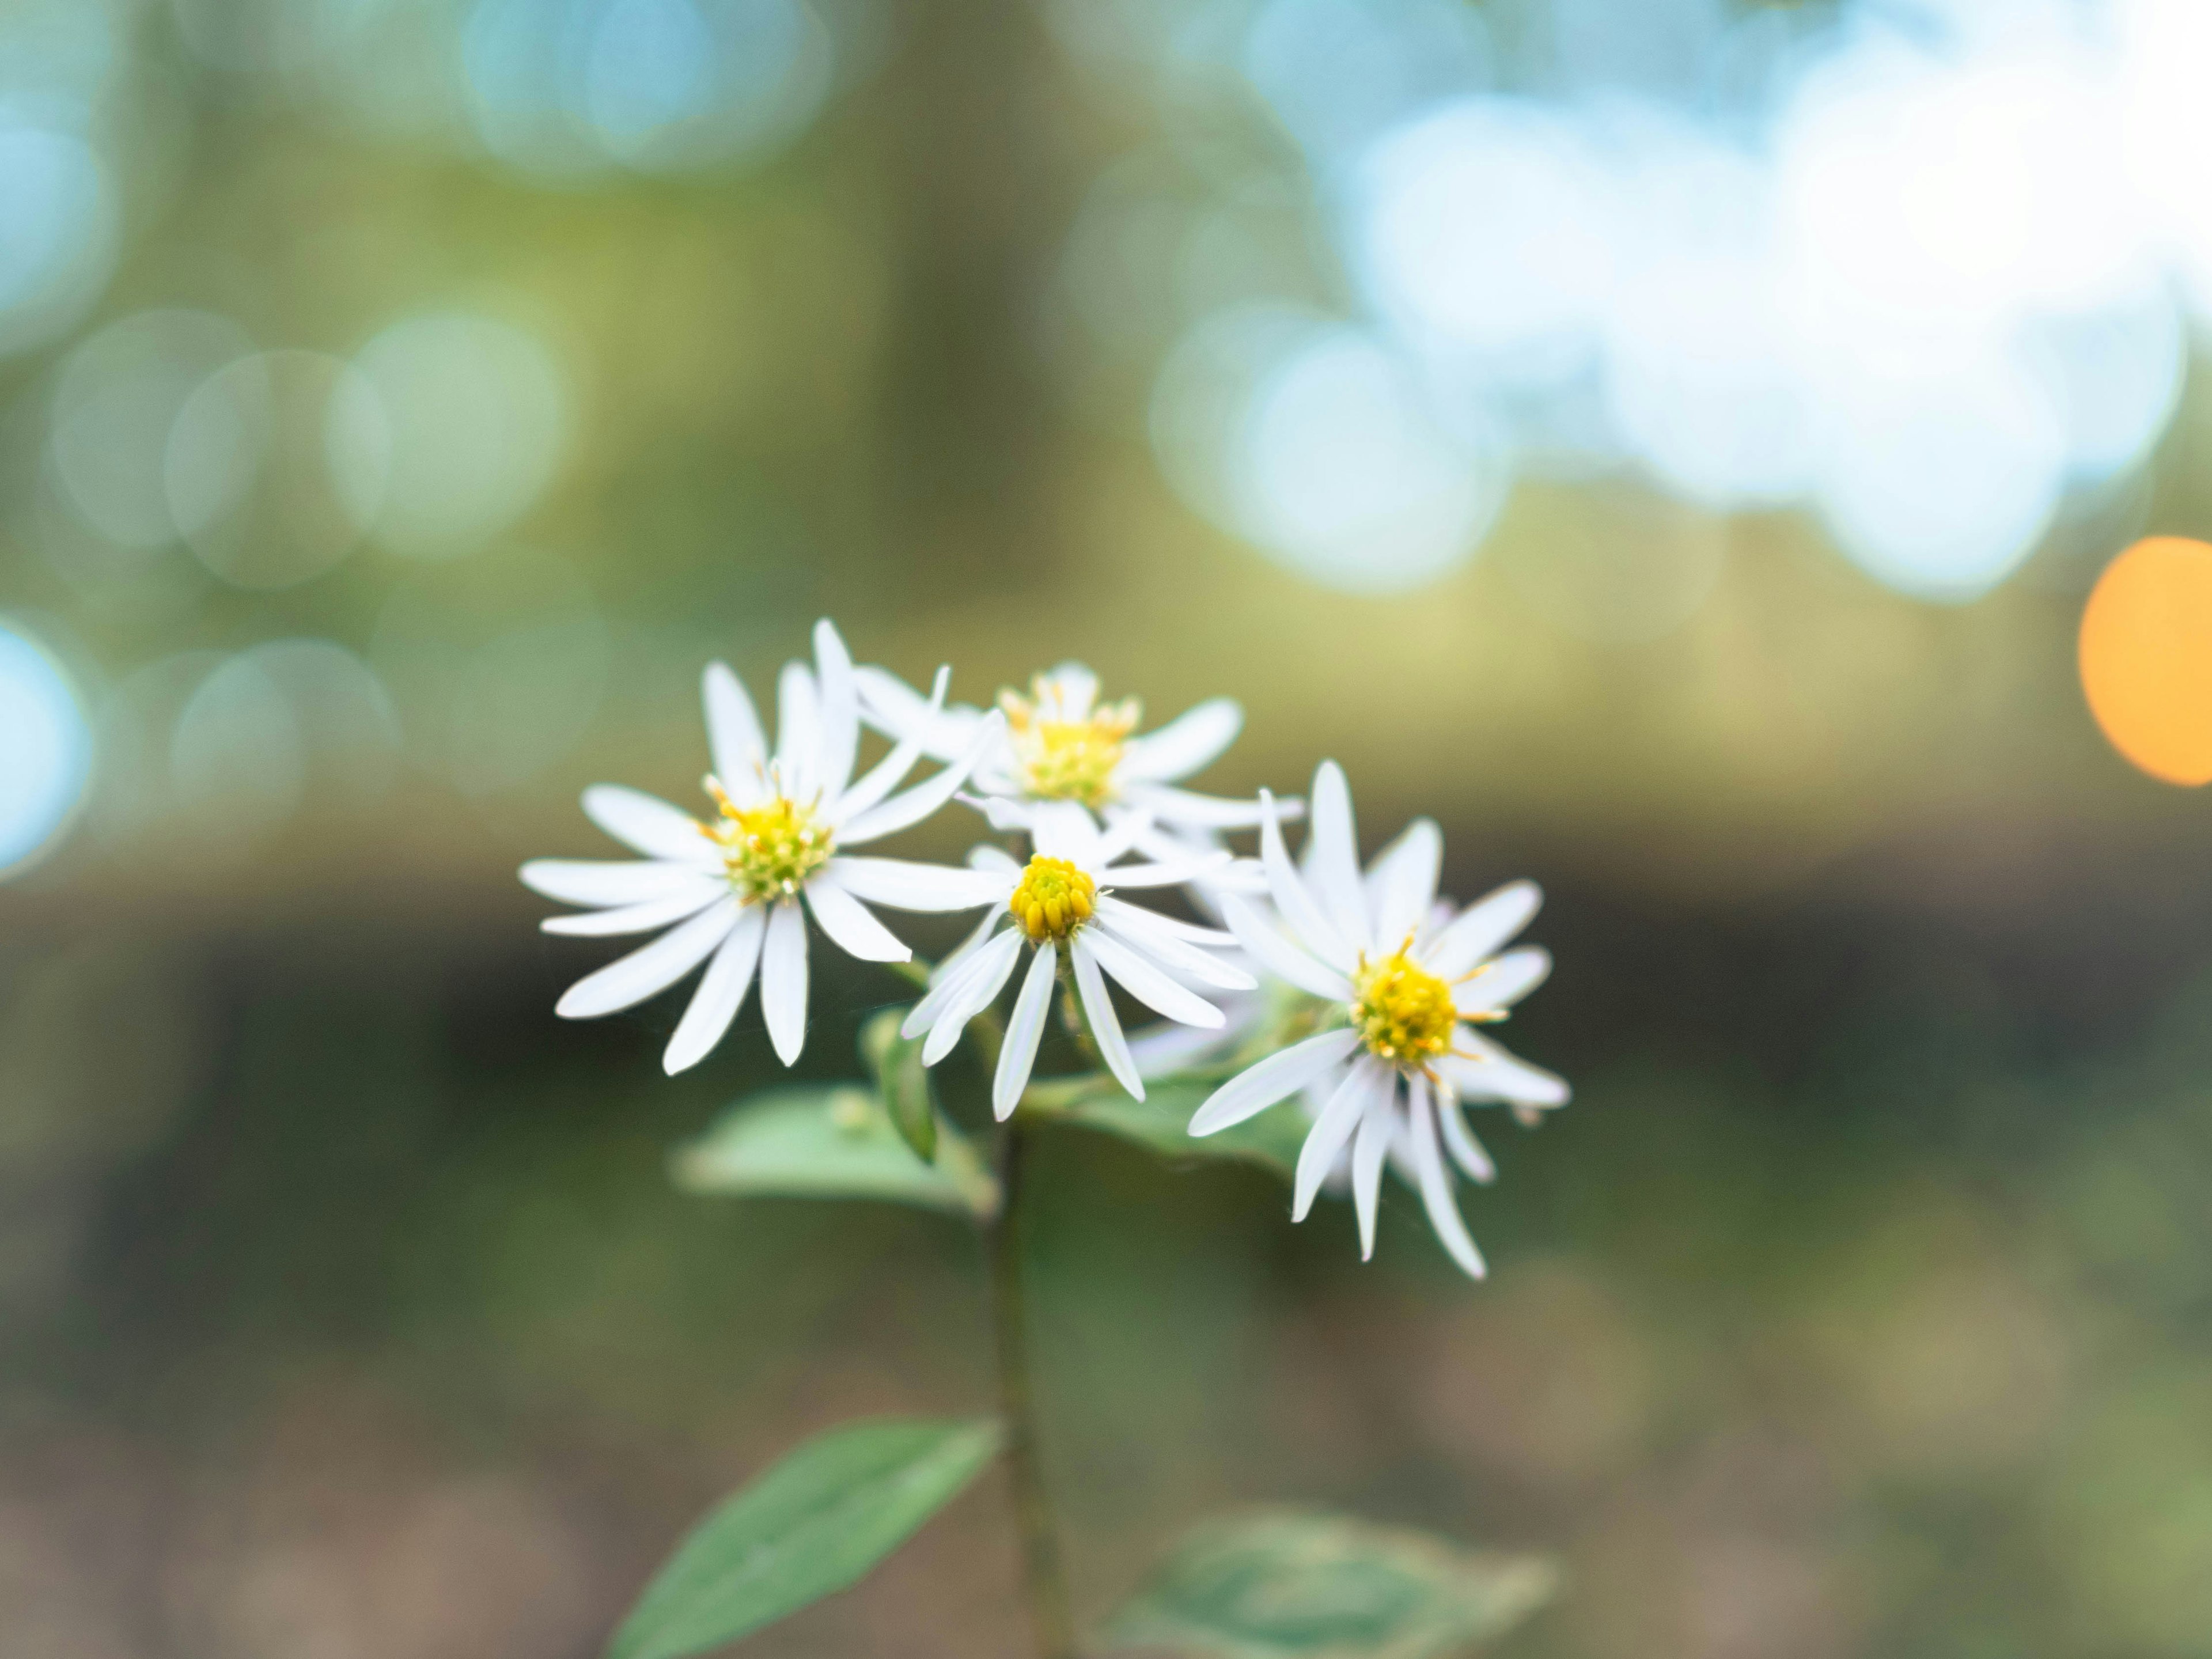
pixel 1413 981
pixel 1064 896
pixel 1061 743
pixel 728 892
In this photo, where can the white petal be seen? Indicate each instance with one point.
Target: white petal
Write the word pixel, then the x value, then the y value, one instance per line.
pixel 783 981
pixel 1436 1189
pixel 850 926
pixel 1481 928
pixel 630 980
pixel 1190 932
pixel 1467 1151
pixel 979 986
pixel 1018 1052
pixel 1347 1107
pixel 1367 1153
pixel 1123 831
pixel 1062 829
pixel 1335 849
pixel 1001 811
pixel 733 735
pixel 1298 905
pixel 607 881
pixel 652 826
pixel 1257 1087
pixel 1149 984
pixel 1074 688
pixel 1140 929
pixel 1158 875
pixel 953 975
pixel 721 993
pixel 838 743
pixel 1501 983
pixel 904 885
pixel 1403 882
pixel 887 774
pixel 995 859
pixel 893 707
pixel 642 918
pixel 1496 1074
pixel 1098 1014
pixel 1285 960
pixel 901 812
pixel 798 737
pixel 1171 806
pixel 1185 743
pixel 1163 1049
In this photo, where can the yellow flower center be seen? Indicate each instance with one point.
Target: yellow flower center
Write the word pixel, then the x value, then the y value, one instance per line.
pixel 770 850
pixel 1053 899
pixel 1067 760
pixel 1402 1011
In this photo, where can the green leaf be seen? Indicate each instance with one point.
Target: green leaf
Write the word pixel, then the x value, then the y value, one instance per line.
pixel 1291 1584
pixel 835 1142
pixel 902 1080
pixel 811 1526
pixel 1160 1123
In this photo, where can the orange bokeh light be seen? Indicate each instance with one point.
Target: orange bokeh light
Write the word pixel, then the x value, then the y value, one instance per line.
pixel 2147 656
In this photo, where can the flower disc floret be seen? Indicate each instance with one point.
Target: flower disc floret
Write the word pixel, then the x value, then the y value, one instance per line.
pixel 1073 760
pixel 1053 899
pixel 770 850
pixel 1403 1012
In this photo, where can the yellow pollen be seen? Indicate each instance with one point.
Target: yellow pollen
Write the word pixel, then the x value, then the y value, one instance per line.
pixel 1402 1011
pixel 1064 759
pixel 1053 899
pixel 770 850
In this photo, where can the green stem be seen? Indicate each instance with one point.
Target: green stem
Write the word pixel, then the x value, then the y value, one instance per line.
pixel 1043 1584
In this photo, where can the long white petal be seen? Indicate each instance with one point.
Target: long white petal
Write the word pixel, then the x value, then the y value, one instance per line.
pixel 1296 903
pixel 1186 744
pixel 1123 831
pixel 1347 1107
pixel 1098 1014
pixel 1285 960
pixel 954 975
pixel 996 860
pixel 837 742
pixel 904 885
pixel 798 737
pixel 1367 1154
pixel 1481 928
pixel 1018 1054
pixel 1404 882
pixel 630 980
pixel 1467 1151
pixel 607 881
pixel 851 927
pixel 1190 932
pixel 1073 688
pixel 887 774
pixel 1257 1087
pixel 649 825
pixel 895 708
pixel 1163 1049
pixel 1437 1188
pixel 1159 875
pixel 720 994
pixel 1149 985
pixel 1062 829
pixel 733 735
pixel 1136 927
pixel 1495 1074
pixel 979 986
pixel 1335 849
pixel 901 812
pixel 783 981
pixel 1502 983
pixel 1173 806
pixel 644 917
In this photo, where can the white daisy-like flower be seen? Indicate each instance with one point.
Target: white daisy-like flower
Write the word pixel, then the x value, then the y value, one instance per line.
pixel 1061 743
pixel 1413 982
pixel 728 891
pixel 1065 899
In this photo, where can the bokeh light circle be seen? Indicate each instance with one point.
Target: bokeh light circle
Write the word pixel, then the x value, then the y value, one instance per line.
pixel 45 751
pixel 2146 657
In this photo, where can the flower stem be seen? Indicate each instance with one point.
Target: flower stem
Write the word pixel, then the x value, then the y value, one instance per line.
pixel 1043 1584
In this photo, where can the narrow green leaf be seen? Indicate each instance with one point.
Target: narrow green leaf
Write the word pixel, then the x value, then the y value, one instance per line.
pixel 811 1526
pixel 1160 1123
pixel 835 1142
pixel 1291 1584
pixel 902 1080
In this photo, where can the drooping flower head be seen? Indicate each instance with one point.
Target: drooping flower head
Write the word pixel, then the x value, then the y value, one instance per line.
pixel 1061 743
pixel 1410 981
pixel 728 890
pixel 1063 900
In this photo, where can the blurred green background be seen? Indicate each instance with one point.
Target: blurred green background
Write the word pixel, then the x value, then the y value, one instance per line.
pixel 403 399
